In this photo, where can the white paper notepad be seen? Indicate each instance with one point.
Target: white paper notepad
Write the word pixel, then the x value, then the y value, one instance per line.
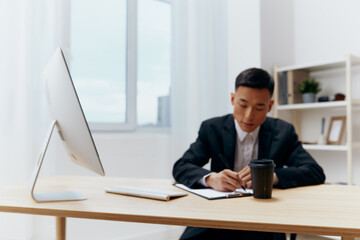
pixel 212 194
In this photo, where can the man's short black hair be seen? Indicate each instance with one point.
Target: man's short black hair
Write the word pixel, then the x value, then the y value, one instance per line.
pixel 255 78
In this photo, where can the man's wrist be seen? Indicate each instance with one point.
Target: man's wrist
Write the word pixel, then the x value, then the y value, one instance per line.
pixel 203 180
pixel 207 179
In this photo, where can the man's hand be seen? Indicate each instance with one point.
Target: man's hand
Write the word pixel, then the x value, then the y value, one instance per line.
pixel 245 177
pixel 226 180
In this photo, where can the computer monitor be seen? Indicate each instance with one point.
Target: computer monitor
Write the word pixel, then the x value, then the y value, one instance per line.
pixel 70 122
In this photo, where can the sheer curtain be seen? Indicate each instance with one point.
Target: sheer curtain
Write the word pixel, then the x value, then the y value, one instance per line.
pixel 30 31
pixel 199 81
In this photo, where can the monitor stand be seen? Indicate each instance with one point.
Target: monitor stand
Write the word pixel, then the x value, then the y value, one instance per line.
pixel 50 196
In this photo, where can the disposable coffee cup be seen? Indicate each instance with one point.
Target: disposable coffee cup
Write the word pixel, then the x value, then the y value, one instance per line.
pixel 262 173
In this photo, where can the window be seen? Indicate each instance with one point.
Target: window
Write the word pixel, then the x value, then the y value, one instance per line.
pixel 153 72
pixel 120 62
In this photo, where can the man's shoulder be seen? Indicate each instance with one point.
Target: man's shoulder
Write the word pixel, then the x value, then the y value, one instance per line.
pixel 215 126
pixel 219 121
pixel 276 123
pixel 228 120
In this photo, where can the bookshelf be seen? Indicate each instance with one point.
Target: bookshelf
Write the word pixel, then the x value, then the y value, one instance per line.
pixel 288 104
pixel 341 148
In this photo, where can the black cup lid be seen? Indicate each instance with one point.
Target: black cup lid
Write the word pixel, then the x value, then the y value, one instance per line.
pixel 262 163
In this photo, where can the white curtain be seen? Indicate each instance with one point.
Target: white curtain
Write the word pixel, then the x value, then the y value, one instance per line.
pixel 199 81
pixel 30 31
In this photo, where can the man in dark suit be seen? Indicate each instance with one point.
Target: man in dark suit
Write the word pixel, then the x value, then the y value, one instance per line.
pixel 231 141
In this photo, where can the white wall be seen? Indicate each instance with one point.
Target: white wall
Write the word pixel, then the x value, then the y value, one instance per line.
pixel 326 29
pixel 243 42
pixel 277 33
pixel 132 154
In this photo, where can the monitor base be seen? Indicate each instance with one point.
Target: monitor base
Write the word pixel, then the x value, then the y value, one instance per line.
pixel 58 196
pixel 50 196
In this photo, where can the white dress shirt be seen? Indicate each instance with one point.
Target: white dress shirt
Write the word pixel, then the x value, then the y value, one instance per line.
pixel 246 147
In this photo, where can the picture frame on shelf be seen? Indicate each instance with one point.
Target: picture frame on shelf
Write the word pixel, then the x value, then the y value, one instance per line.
pixel 336 130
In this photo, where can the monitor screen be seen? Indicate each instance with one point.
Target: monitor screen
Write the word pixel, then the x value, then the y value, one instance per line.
pixel 66 110
pixel 71 125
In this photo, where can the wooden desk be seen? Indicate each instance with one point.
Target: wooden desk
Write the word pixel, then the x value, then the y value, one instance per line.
pixel 320 210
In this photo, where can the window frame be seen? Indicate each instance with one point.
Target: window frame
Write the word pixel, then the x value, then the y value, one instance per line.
pixel 130 123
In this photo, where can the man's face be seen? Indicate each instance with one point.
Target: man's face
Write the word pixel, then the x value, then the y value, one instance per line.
pixel 251 106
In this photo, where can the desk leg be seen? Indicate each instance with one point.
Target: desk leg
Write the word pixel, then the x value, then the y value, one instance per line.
pixel 347 238
pixel 60 228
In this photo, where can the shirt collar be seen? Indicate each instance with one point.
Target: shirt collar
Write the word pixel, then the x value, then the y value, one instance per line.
pixel 242 134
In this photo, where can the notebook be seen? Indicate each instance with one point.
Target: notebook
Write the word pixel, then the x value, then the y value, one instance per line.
pixel 212 194
pixel 145 192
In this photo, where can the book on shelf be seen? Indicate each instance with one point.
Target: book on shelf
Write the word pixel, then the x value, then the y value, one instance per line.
pixel 283 89
pixel 289 86
pixel 295 77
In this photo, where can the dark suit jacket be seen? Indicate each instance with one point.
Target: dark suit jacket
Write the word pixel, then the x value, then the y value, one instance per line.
pixel 277 140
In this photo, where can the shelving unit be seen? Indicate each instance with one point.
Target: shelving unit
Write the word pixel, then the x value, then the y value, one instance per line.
pixel 341 148
pixel 296 109
pixel 312 105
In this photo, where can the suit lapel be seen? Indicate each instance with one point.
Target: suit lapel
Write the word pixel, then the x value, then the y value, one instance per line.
pixel 265 136
pixel 229 141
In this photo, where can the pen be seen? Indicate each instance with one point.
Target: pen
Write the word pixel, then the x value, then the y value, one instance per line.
pixel 227 166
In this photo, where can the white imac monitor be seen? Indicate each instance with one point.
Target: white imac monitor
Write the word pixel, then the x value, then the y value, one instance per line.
pixel 71 125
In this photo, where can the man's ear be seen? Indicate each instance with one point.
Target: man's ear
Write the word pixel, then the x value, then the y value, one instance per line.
pixel 232 98
pixel 270 105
